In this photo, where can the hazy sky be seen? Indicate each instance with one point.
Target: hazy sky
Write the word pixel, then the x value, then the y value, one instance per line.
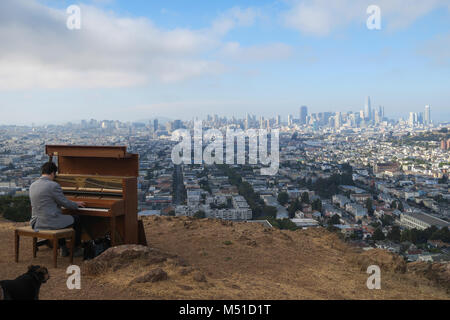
pixel 140 59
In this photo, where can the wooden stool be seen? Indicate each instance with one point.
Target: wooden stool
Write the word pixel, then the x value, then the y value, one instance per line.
pixel 51 235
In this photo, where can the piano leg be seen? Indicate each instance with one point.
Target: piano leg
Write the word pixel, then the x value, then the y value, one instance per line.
pixel 113 230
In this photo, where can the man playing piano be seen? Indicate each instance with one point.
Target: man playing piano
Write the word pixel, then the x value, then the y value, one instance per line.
pixel 47 198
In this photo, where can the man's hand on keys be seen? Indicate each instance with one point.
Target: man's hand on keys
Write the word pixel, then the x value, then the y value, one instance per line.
pixel 80 204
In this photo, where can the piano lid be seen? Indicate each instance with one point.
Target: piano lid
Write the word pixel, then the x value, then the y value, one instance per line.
pixel 87 151
pixel 95 160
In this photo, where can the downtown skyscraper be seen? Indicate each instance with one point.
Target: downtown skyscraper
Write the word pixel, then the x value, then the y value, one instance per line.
pixel 368 109
pixel 303 114
pixel 427 115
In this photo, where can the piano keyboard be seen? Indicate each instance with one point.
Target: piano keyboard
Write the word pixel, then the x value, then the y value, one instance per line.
pixel 93 209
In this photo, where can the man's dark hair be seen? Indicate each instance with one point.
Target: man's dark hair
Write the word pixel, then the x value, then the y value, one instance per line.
pixel 49 168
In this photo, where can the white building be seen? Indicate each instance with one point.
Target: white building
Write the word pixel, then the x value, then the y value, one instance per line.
pixel 421 221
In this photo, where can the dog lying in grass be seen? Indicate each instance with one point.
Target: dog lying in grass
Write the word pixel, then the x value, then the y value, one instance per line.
pixel 26 286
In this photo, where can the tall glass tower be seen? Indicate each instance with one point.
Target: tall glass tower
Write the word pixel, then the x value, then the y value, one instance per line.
pixel 427 115
pixel 368 109
pixel 303 114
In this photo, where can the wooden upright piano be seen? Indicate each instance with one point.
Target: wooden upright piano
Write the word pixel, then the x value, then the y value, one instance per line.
pixel 105 178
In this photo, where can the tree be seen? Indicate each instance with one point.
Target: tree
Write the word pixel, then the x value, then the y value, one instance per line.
pixel 293 207
pixel 406 235
pixel 378 234
pixel 416 236
pixel 335 219
pixel 396 204
pixel 441 234
pixel 387 220
pixel 356 235
pixel 394 234
pixel 369 206
pixel 199 214
pixel 283 198
pixel 269 211
pixel 305 197
pixel 317 205
pixel 283 224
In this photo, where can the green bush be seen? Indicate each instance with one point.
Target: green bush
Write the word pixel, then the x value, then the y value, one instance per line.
pixel 17 215
pixel 17 209
pixel 199 214
pixel 283 224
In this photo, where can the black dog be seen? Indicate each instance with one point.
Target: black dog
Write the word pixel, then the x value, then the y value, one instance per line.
pixel 25 287
pixel 93 248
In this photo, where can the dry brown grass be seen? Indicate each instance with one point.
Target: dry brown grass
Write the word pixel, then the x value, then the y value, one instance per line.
pixel 238 261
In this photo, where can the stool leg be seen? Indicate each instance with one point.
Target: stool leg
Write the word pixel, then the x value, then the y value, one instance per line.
pixel 55 252
pixel 72 246
pixel 16 245
pixel 34 247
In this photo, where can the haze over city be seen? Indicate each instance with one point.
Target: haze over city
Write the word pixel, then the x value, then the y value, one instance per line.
pixel 142 60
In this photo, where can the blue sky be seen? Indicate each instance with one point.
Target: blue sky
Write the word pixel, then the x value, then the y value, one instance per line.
pixel 134 60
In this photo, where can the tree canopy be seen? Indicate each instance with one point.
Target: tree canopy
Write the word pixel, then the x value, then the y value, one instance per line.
pixel 283 198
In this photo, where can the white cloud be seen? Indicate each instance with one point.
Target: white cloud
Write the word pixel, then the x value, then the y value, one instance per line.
pixel 38 51
pixel 322 17
pixel 272 51
pixel 235 17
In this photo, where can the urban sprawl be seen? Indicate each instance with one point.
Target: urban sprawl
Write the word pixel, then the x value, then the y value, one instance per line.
pixel 377 182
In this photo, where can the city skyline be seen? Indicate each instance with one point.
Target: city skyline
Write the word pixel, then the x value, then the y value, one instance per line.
pixel 375 115
pixel 135 60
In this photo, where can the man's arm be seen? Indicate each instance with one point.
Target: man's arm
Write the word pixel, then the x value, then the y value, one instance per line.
pixel 62 201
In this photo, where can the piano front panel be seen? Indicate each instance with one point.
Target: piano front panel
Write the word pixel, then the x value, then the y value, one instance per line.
pixel 123 167
pixel 100 207
pixel 97 216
